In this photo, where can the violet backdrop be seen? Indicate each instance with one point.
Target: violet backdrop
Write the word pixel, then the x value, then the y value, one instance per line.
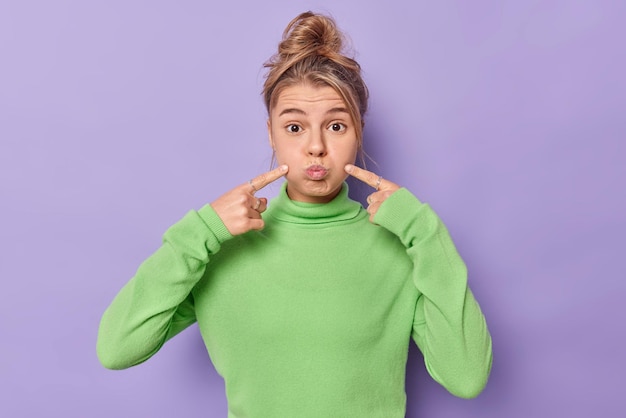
pixel 506 116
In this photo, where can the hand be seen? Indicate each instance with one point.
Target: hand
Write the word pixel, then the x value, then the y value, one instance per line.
pixel 384 188
pixel 239 209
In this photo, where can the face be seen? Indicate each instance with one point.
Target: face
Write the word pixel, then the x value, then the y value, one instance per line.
pixel 312 132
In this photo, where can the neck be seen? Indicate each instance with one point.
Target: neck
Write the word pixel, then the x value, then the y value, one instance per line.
pixel 339 208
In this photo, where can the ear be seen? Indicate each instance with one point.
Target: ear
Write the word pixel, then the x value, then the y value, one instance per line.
pixel 269 133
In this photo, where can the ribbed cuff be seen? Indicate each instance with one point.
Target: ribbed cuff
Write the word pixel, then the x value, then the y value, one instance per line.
pixel 397 209
pixel 405 216
pixel 215 224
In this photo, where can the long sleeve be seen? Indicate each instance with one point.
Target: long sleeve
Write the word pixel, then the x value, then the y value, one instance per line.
pixel 157 303
pixel 448 325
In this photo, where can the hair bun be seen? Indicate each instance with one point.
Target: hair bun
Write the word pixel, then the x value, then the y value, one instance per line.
pixel 312 51
pixel 311 34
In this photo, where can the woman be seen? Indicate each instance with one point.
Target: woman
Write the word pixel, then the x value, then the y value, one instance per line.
pixel 307 305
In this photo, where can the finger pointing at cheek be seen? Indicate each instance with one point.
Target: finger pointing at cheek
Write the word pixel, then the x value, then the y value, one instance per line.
pixel 239 209
pixel 384 188
pixel 372 179
pixel 264 179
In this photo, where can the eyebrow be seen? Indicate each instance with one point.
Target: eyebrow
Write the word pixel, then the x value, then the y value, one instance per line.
pixel 302 112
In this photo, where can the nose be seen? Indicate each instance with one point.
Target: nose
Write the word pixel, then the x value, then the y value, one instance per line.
pixel 316 147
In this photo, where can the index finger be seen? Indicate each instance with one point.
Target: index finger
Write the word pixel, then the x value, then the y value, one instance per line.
pixel 369 178
pixel 264 179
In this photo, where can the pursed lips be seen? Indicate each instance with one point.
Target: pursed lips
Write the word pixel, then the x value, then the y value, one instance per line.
pixel 316 171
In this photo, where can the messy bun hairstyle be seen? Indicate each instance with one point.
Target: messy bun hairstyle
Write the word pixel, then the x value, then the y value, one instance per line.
pixel 311 51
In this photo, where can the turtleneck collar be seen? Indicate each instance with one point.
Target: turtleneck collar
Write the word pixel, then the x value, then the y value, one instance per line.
pixel 341 208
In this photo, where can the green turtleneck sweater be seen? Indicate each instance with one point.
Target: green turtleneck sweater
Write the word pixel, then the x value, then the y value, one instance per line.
pixel 312 316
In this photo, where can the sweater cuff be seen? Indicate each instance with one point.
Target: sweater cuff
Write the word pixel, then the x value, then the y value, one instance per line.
pixel 397 209
pixel 405 216
pixel 215 223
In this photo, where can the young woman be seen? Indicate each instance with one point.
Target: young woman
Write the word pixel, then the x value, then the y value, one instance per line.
pixel 307 304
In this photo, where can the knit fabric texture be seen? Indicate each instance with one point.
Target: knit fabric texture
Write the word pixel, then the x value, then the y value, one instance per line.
pixel 311 316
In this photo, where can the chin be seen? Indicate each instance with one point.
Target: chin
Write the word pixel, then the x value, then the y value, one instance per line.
pixel 315 190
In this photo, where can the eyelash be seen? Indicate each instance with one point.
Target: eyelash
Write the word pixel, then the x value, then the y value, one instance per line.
pixel 293 125
pixel 342 127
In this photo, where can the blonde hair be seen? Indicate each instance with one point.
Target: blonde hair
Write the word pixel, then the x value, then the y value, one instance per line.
pixel 311 51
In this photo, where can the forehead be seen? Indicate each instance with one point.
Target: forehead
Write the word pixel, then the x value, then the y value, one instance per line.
pixel 308 98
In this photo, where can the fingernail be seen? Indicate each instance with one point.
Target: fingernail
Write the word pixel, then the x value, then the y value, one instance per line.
pixel 283 168
pixel 349 168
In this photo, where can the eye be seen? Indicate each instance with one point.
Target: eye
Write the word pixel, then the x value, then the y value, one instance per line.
pixel 337 127
pixel 293 128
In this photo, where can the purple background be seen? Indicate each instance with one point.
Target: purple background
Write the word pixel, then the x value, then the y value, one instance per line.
pixel 506 116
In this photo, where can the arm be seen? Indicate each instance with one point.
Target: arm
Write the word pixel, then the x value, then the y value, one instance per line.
pixel 156 304
pixel 449 327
